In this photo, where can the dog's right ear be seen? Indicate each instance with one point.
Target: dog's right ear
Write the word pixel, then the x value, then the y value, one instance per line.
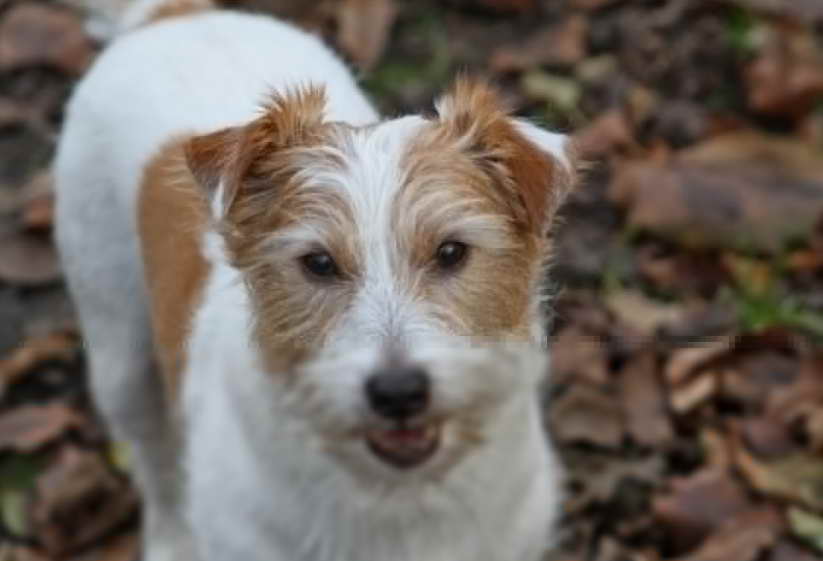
pixel 220 161
pixel 213 160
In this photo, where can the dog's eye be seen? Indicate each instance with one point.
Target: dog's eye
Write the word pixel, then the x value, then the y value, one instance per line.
pixel 320 264
pixel 451 254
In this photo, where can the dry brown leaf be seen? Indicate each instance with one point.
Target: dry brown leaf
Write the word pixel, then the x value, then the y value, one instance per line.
pixel 787 76
pixel 794 478
pixel 611 132
pixel 562 44
pixel 56 346
pixel 28 260
pixel 363 29
pixel 794 402
pixel 688 360
pixel 644 315
pixel 600 479
pixel 681 272
pixel 741 538
pixel 767 437
pixel 756 375
pixel 644 402
pixel 585 414
pixel 742 190
pixel 578 357
pixel 37 203
pixel 34 34
pixel 696 504
pixel 694 392
pixel 30 427
pixel 79 501
pixel 717 449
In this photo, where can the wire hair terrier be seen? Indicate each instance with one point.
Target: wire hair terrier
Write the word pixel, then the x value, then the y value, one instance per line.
pixel 322 333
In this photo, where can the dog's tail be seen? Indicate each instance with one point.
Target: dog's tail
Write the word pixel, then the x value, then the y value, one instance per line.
pixel 110 18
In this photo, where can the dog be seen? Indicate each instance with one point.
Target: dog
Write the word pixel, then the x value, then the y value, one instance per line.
pixel 321 332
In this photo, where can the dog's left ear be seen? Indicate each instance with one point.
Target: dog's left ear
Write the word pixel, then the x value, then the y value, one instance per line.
pixel 535 164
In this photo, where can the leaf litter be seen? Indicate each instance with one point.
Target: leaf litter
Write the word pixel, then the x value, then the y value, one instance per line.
pixel 687 396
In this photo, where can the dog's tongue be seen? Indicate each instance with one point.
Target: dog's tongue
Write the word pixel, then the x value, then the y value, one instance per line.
pixel 400 439
pixel 405 436
pixel 404 446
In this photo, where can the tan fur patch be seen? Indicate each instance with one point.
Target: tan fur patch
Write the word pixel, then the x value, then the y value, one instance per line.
pixel 178 8
pixel 258 165
pixel 172 217
pixel 495 173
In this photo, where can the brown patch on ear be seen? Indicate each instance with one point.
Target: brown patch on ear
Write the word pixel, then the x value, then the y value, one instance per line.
pixel 211 157
pixel 230 154
pixel 178 8
pixel 473 113
pixel 172 218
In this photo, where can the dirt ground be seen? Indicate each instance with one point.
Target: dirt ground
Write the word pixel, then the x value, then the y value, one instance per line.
pixel 687 400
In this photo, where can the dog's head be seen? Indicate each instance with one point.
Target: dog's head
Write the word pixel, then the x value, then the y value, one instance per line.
pixel 395 270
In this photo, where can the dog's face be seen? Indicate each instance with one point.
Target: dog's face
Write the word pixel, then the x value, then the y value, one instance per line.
pixel 394 270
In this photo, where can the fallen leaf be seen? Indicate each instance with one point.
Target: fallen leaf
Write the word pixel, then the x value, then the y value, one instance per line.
pixel 741 190
pixel 641 313
pixel 681 272
pixel 600 478
pixel 796 478
pixel 33 34
pixel 799 400
pixel 755 375
pixel 37 203
pixel 644 402
pixel 30 427
pixel 786 78
pixel 56 346
pixel 562 44
pixel 696 504
pixel 767 437
pixel 686 361
pixel 741 538
pixel 28 260
pixel 692 393
pixel 363 29
pixel 609 133
pixel 585 414
pixel 79 501
pixel 578 357
pixel 717 449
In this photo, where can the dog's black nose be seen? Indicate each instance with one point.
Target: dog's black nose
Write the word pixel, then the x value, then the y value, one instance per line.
pixel 399 392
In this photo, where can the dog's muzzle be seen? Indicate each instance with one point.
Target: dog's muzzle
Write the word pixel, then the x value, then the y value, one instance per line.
pixel 400 397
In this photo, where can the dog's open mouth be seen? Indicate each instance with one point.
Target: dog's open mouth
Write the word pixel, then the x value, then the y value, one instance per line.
pixel 405 447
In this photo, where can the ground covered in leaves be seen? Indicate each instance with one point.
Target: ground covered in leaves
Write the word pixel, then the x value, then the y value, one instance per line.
pixel 688 373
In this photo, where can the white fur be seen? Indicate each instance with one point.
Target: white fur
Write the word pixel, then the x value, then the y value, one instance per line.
pixel 258 479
